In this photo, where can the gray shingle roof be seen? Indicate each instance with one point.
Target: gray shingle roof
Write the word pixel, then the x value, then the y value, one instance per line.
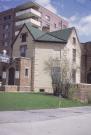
pixel 62 34
pixel 49 38
pixel 36 33
pixel 39 35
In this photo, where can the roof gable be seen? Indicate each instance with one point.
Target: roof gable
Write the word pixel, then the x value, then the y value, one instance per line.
pixel 36 33
pixel 62 34
pixel 49 38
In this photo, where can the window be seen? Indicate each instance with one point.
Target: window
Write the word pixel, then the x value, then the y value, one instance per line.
pixel 46 28
pixel 60 24
pixel 64 26
pixel 56 76
pixel 42 90
pixel 5 43
pixel 74 75
pixel 4 69
pixel 5 35
pixel 24 35
pixel 74 40
pixel 55 25
pixel 6 27
pixel 74 55
pixel 26 72
pixel 47 17
pixel 7 17
pixel 23 50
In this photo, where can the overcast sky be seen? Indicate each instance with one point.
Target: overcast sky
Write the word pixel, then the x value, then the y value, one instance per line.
pixel 77 12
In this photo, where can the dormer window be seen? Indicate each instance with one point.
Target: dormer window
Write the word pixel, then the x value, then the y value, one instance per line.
pixel 74 40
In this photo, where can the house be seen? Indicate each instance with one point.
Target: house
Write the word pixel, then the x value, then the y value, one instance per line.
pixel 32 48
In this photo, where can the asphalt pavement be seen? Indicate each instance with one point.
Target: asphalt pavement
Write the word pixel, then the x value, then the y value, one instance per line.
pixel 65 121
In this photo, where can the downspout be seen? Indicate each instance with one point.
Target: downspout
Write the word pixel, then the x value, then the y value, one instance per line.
pixel 86 65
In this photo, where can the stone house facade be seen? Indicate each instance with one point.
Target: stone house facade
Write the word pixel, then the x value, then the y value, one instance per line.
pixel 39 46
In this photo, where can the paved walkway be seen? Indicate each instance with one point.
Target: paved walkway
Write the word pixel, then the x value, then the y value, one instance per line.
pixel 68 121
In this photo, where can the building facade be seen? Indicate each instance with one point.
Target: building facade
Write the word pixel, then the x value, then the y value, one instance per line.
pixel 11 22
pixel 38 47
pixel 86 63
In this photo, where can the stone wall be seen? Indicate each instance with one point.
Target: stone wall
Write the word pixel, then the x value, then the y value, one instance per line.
pixel 14 88
pixel 9 88
pixel 82 92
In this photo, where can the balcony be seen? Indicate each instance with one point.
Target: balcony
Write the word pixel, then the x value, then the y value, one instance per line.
pixel 30 11
pixel 27 6
pixel 32 21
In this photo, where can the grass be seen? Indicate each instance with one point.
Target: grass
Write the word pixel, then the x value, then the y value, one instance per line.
pixel 25 101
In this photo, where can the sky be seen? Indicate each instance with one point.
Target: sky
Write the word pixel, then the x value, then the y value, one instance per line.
pixel 76 12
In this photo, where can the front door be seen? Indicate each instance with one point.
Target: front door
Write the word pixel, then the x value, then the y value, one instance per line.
pixel 11 77
pixel 89 78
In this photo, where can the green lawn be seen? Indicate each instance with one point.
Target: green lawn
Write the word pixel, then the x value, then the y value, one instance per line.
pixel 24 101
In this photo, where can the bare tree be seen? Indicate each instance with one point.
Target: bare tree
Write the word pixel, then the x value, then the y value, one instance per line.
pixel 52 66
pixel 61 74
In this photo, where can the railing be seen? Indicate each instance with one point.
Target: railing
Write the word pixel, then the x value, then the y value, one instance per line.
pixel 37 23
pixel 33 11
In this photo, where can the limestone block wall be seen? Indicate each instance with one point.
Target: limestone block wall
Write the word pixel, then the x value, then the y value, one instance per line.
pixel 82 92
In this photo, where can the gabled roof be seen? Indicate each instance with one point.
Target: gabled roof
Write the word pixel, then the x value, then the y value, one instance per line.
pixel 41 36
pixel 62 34
pixel 49 38
pixel 36 33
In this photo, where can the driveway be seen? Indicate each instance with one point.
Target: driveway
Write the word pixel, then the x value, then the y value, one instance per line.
pixel 66 121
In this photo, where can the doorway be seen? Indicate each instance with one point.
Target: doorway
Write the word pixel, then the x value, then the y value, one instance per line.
pixel 11 76
pixel 89 78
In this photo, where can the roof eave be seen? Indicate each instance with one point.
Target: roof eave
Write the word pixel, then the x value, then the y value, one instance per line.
pixel 50 41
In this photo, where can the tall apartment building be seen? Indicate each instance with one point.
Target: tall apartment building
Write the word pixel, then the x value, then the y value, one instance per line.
pixel 12 20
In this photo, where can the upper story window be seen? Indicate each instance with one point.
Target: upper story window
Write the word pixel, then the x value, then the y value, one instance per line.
pixel 74 40
pixel 74 75
pixel 47 18
pixel 5 18
pixel 64 26
pixel 5 43
pixel 24 37
pixel 60 24
pixel 23 50
pixel 6 27
pixel 6 35
pixel 74 55
pixel 8 17
pixel 55 26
